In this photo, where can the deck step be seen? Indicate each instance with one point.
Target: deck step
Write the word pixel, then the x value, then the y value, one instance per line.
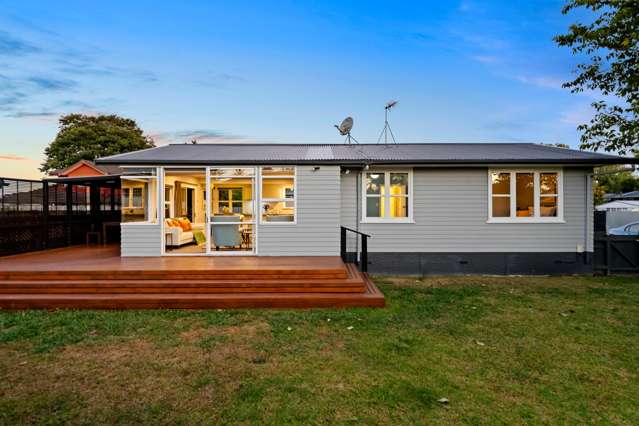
pixel 372 297
pixel 170 275
pixel 353 283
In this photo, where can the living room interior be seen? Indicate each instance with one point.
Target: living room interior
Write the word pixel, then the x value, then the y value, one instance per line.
pixel 233 208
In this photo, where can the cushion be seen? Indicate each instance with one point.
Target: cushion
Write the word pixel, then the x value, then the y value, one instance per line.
pixel 199 237
pixel 185 224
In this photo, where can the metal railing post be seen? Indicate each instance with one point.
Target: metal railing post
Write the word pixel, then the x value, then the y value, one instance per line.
pixel 342 243
pixel 364 256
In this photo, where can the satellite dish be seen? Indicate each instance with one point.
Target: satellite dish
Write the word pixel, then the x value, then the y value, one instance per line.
pixel 346 126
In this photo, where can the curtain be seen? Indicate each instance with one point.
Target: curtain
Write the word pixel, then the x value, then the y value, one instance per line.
pixel 179 200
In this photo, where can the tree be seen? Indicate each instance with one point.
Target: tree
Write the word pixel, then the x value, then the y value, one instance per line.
pixel 611 42
pixel 85 137
pixel 558 145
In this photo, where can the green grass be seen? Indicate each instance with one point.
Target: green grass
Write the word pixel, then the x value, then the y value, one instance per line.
pixel 501 350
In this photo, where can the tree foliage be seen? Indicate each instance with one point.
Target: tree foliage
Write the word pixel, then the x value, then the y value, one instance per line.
pixel 85 137
pixel 611 43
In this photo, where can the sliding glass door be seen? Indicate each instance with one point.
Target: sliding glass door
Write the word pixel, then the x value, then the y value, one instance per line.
pixel 231 210
pixel 184 205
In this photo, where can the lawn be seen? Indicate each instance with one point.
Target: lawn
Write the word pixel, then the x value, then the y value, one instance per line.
pixel 500 350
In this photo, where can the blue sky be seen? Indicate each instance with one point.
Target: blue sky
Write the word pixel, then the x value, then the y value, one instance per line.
pixel 286 71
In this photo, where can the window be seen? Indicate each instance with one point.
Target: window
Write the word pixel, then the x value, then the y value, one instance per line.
pixel 278 195
pixel 139 196
pixel 387 196
pixel 230 200
pixel 524 196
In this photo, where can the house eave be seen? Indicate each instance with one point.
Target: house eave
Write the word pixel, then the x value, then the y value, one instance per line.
pixel 359 163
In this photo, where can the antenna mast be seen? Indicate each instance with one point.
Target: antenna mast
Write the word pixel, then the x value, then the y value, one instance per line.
pixel 387 129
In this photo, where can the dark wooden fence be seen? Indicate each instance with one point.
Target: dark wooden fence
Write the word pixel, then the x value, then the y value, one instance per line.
pixel 614 254
pixel 38 215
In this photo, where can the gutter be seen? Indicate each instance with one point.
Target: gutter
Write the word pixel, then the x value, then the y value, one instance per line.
pixel 355 163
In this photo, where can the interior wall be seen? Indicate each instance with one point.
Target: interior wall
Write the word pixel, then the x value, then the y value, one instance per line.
pixel 198 184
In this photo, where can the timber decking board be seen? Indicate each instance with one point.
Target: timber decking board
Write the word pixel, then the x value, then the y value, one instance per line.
pixel 106 260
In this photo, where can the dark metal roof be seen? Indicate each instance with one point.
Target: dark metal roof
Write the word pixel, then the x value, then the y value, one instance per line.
pixel 427 153
pixel 86 180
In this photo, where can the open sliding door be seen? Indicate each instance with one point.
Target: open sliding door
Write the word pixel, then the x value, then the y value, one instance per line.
pixel 232 210
pixel 185 224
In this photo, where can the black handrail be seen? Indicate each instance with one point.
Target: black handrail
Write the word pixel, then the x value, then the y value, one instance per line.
pixel 363 258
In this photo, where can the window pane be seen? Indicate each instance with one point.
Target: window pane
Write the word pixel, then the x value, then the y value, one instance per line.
pixel 399 184
pixel 278 188
pixel 236 194
pixel 398 207
pixel 374 207
pixel 501 206
pixel 375 183
pixel 278 212
pixel 501 183
pixel 548 183
pixel 137 197
pixel 232 172
pixel 135 193
pixel 278 171
pixel 548 206
pixel 525 195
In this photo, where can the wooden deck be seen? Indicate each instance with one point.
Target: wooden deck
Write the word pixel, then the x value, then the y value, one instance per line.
pixel 98 278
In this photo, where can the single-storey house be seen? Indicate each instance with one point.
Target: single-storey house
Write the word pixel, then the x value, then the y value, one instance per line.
pixel 490 208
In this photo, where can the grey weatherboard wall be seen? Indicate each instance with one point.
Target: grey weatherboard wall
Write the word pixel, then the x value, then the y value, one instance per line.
pixel 316 232
pixel 140 239
pixel 450 233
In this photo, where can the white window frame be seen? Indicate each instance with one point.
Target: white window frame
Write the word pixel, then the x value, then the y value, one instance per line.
pixel 147 201
pixel 537 218
pixel 287 201
pixel 386 198
pixel 209 212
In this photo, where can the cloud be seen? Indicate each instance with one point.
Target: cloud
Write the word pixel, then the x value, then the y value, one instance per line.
pixel 75 104
pixel 577 114
pixel 541 81
pixel 468 7
pixel 32 114
pixel 200 135
pixel 11 46
pixel 486 59
pixel 81 68
pixel 12 157
pixel 48 83
pixel 221 80
pixel 483 41
pixel 508 125
pixel 10 99
pixel 16 166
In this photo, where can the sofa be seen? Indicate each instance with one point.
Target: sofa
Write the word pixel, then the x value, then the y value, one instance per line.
pixel 176 236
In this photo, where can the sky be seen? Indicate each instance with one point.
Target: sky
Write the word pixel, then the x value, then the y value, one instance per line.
pixel 285 72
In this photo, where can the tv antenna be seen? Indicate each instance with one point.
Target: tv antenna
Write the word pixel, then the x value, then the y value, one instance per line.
pixel 387 129
pixel 345 128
